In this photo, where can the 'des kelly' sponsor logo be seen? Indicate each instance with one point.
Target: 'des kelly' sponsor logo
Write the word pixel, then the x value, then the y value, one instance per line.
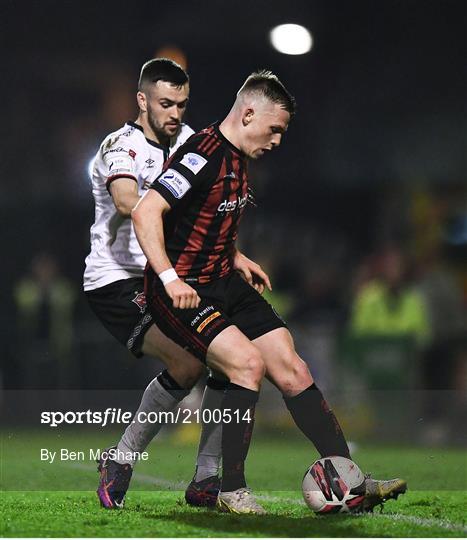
pixel 230 206
pixel 205 318
pixel 201 314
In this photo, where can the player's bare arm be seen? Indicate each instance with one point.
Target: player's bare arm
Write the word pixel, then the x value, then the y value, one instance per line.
pixel 251 272
pixel 148 221
pixel 125 196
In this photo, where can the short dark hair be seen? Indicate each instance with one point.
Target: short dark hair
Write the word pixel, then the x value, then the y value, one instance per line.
pixel 162 69
pixel 266 83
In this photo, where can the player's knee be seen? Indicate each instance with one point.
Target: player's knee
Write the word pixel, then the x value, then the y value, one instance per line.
pixel 187 375
pixel 251 365
pixel 255 366
pixel 295 376
pixel 301 372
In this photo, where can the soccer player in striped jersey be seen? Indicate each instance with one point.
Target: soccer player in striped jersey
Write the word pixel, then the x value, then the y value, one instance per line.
pixel 187 226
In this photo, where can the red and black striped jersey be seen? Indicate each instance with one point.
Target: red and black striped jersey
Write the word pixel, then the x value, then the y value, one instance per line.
pixel 205 182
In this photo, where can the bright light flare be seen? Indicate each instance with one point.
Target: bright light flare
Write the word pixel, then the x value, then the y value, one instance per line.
pixel 90 167
pixel 291 39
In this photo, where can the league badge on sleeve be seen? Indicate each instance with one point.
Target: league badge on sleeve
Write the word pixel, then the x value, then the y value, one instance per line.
pixel 194 162
pixel 120 165
pixel 175 182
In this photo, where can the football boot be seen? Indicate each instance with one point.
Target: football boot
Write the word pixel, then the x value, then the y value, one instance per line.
pixel 377 492
pixel 113 482
pixel 240 501
pixel 204 492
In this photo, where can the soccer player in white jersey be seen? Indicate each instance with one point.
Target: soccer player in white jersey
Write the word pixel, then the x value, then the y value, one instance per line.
pixel 127 162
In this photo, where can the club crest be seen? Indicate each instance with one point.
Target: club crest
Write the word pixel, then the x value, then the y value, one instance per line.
pixel 140 301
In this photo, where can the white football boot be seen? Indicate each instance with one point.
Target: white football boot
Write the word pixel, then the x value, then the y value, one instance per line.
pixel 378 492
pixel 240 501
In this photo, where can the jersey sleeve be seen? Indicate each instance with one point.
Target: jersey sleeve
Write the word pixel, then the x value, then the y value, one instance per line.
pixel 119 159
pixel 185 171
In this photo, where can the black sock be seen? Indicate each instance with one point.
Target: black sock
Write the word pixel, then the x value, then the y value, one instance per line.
pixel 316 420
pixel 172 386
pixel 217 384
pixel 236 434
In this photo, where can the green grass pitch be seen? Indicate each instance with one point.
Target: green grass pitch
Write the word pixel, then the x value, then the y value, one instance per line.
pixel 58 500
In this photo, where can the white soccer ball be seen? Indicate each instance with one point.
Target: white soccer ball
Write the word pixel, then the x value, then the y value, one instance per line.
pixel 332 485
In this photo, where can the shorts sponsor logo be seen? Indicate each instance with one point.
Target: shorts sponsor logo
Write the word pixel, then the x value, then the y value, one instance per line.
pixel 230 206
pixel 194 162
pixel 175 182
pixel 207 321
pixel 140 301
pixel 150 163
pixel 213 326
pixel 201 314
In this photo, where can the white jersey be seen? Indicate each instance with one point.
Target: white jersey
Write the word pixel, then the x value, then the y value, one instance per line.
pixel 126 153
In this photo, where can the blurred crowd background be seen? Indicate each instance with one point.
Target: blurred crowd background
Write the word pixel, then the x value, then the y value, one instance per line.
pixel 362 213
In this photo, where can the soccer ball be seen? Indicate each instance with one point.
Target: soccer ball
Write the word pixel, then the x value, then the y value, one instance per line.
pixel 332 485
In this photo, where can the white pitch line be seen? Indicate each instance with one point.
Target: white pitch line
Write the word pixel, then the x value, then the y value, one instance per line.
pixel 144 478
pixel 176 486
pixel 423 522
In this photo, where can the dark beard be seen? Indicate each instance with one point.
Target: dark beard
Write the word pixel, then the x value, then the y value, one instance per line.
pixel 163 138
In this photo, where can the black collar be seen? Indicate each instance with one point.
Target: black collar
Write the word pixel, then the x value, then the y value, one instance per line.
pixel 152 143
pixel 215 126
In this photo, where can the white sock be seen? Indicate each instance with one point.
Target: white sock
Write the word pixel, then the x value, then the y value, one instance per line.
pixel 138 434
pixel 210 445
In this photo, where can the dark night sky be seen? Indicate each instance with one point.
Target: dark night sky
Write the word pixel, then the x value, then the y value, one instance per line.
pixel 381 96
pixel 381 100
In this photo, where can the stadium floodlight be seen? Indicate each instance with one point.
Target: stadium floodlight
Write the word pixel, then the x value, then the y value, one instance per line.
pixel 291 39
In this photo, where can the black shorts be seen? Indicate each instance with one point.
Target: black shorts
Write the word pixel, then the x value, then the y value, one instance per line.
pixel 121 307
pixel 224 302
